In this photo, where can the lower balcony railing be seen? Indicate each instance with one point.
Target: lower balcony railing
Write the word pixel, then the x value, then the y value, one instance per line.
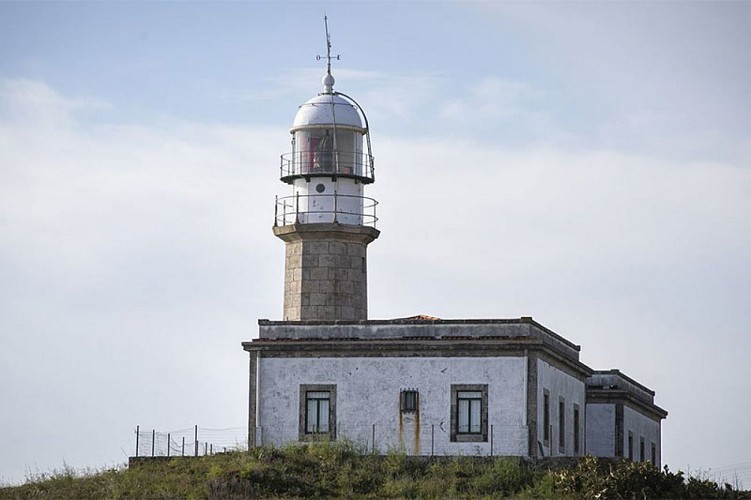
pixel 325 208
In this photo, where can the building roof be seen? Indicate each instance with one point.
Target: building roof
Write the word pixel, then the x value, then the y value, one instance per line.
pixel 328 109
pixel 610 386
pixel 417 336
pixel 413 326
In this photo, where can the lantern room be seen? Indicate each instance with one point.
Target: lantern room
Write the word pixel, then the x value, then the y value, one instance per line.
pixel 329 138
pixel 329 163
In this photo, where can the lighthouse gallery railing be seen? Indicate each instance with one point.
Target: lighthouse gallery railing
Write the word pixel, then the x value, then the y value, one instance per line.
pixel 304 163
pixel 292 210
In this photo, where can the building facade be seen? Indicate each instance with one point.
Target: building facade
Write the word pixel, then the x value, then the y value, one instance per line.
pixel 622 419
pixel 424 386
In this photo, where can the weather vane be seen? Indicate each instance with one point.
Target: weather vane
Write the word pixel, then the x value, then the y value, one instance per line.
pixel 328 55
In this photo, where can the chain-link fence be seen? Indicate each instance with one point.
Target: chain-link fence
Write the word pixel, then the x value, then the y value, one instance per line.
pixel 191 441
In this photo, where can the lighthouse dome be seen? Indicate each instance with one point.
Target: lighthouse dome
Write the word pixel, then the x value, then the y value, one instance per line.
pixel 328 109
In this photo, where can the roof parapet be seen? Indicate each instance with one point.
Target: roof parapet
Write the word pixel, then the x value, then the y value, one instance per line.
pixel 418 327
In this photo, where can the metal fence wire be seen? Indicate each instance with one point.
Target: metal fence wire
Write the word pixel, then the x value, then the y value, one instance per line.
pixel 191 442
pixel 417 438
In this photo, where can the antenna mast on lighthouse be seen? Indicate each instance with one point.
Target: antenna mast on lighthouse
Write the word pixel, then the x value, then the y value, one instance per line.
pixel 328 47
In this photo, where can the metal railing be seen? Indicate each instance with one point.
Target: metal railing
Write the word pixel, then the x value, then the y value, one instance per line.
pixel 336 208
pixel 302 163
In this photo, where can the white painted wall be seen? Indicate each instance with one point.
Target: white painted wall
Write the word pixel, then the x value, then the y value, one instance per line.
pixel 319 207
pixel 641 426
pixel 601 429
pixel 572 389
pixel 368 393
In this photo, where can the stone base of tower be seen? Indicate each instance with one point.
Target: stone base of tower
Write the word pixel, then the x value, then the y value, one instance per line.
pixel 325 271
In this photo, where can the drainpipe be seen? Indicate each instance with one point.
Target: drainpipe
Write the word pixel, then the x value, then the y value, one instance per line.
pixel 259 429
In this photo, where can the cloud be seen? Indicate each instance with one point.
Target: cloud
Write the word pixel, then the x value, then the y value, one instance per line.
pixel 665 77
pixel 491 98
pixel 598 206
pixel 34 102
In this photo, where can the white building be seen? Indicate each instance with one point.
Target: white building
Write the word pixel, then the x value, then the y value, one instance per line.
pixel 422 385
pixel 622 419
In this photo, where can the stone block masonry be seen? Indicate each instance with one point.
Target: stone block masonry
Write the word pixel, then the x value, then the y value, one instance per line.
pixel 325 275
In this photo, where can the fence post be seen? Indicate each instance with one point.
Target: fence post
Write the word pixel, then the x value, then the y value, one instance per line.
pixel 373 448
pixel 195 440
pixel 169 443
pixel 183 448
pixel 205 449
pixel 432 439
pixel 153 441
pixel 491 440
pixel 138 433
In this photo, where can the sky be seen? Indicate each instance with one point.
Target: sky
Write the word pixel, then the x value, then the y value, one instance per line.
pixel 584 163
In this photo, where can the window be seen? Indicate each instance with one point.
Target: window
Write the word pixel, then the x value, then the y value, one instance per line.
pixel 317 412
pixel 409 401
pixel 469 413
pixel 326 150
pixel 577 435
pixel 470 408
pixel 323 152
pixel 630 445
pixel 641 449
pixel 562 425
pixel 546 417
pixel 317 405
pixel 654 454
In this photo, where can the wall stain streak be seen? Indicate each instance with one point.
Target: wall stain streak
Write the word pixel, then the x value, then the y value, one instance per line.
pixel 401 429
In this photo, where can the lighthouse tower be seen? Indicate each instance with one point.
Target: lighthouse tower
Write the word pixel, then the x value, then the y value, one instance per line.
pixel 327 222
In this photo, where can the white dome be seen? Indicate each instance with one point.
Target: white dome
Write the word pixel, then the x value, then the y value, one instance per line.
pixel 323 108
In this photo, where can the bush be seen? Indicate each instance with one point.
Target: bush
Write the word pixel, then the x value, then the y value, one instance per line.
pixel 593 478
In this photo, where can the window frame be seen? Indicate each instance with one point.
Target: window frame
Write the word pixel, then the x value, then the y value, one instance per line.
pixel 407 396
pixel 469 437
pixel 304 435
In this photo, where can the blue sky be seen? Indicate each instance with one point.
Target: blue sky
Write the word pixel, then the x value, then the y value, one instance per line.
pixel 585 163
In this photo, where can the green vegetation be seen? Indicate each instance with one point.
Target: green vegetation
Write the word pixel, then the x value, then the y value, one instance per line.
pixel 342 470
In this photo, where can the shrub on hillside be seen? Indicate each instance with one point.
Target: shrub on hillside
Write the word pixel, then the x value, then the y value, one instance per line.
pixel 344 470
pixel 593 478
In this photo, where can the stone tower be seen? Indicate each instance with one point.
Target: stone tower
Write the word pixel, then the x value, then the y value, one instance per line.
pixel 327 222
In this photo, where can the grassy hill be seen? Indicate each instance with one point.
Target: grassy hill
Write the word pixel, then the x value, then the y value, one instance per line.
pixel 341 470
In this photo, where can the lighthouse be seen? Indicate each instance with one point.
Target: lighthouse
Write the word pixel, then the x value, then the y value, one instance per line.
pixel 327 222
pixel 421 384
